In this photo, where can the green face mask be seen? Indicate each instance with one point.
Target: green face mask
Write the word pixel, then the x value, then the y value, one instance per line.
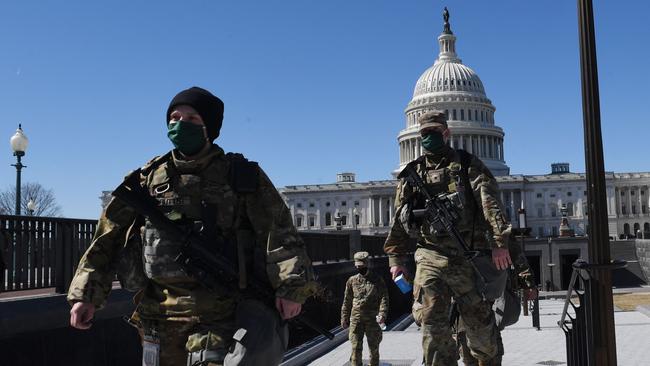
pixel 186 137
pixel 433 141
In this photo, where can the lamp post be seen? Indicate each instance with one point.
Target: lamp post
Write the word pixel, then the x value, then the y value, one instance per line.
pixel 19 145
pixel 338 220
pixel 550 263
pixel 31 207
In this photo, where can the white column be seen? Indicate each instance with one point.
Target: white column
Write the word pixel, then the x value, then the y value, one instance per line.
pixel 503 154
pixel 629 200
pixel 638 207
pixel 493 147
pixel 381 211
pixel 370 220
pixel 391 210
pixel 418 145
pixel 512 206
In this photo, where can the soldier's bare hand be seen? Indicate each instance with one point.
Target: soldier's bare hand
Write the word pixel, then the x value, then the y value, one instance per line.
pixel 81 315
pixel 396 270
pixel 501 258
pixel 287 308
pixel 344 324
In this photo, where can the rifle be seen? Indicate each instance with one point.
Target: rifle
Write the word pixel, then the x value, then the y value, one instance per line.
pixel 441 212
pixel 211 269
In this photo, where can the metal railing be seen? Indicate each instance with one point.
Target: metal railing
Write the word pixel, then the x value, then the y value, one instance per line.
pixel 43 252
pixel 324 247
pixel 578 328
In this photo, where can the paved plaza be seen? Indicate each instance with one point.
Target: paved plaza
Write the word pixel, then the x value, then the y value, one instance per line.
pixel 524 345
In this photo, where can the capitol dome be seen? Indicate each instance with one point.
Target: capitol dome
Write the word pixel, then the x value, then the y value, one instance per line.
pixel 448 76
pixel 450 86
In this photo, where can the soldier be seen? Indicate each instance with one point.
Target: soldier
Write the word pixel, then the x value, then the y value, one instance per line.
pixel 232 202
pixel 441 270
pixel 365 306
pixel 521 278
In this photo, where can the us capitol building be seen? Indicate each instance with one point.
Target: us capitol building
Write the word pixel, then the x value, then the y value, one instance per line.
pixel 451 86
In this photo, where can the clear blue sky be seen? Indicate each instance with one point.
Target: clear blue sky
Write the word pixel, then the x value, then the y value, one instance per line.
pixel 311 88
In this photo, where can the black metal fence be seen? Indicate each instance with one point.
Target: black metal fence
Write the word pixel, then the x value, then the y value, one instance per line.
pixel 579 327
pixel 324 247
pixel 43 252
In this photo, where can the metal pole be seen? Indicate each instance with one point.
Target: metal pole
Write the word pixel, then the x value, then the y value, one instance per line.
pixel 19 166
pixel 602 315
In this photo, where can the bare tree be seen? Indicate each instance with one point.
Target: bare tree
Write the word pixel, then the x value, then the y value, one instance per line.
pixel 44 200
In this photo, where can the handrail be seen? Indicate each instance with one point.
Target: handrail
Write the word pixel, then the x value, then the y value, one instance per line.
pixel 579 337
pixel 567 300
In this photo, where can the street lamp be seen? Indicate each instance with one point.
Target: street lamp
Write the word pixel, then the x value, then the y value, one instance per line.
pixel 338 220
pixel 550 263
pixel 31 207
pixel 19 145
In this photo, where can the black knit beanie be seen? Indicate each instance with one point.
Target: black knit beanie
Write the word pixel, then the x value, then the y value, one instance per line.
pixel 209 107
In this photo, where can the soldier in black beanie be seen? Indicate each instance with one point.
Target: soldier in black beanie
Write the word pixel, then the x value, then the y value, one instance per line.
pixel 207 105
pixel 231 203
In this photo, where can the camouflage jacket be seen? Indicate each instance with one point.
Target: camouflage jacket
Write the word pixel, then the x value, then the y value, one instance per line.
pixel 287 266
pixel 365 298
pixel 483 224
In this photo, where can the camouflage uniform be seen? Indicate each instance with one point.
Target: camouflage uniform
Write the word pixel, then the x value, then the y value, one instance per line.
pixel 442 271
pixel 365 298
pixel 173 305
pixel 521 278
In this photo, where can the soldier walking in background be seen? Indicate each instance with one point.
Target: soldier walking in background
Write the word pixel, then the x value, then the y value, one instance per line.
pixel 365 307
pixel 442 271
pixel 231 203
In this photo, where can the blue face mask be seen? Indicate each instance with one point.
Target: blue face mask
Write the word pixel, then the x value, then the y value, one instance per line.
pixel 433 141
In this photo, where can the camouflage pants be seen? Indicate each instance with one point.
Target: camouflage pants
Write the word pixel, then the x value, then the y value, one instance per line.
pixel 373 335
pixel 177 336
pixel 437 279
pixel 469 360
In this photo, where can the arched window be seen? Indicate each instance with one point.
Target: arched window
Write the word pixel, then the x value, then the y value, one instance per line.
pixel 626 229
pixel 299 221
pixel 454 113
pixel 646 228
pixel 462 114
pixel 344 220
pixel 328 219
pixel 637 228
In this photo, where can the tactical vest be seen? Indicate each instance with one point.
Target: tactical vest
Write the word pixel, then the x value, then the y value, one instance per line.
pixel 203 201
pixel 452 179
